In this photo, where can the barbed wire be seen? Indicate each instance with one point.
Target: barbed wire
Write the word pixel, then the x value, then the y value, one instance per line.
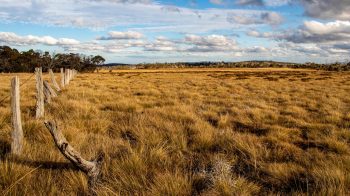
pixel 23 83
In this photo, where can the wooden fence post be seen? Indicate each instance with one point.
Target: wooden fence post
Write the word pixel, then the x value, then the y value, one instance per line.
pixel 17 132
pixel 48 92
pixel 66 77
pixel 53 80
pixel 92 168
pixel 62 78
pixel 39 93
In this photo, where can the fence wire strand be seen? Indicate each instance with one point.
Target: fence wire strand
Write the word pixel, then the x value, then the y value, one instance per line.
pixel 23 83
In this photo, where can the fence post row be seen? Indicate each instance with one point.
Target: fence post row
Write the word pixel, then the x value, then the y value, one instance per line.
pixel 17 132
pixel 39 93
pixel 44 92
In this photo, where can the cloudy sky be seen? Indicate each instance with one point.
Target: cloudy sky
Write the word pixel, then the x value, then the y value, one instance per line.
pixel 136 31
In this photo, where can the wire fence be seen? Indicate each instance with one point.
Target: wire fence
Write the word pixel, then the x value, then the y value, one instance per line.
pixel 22 84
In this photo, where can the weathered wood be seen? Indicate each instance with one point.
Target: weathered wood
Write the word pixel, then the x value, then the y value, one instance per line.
pixel 66 77
pixel 91 168
pixel 17 132
pixel 47 96
pixel 48 87
pixel 53 80
pixel 48 92
pixel 39 93
pixel 62 78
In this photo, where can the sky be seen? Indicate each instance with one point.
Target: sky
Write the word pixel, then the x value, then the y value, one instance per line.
pixel 147 31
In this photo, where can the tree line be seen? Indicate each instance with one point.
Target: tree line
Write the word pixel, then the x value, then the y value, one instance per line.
pixel 11 60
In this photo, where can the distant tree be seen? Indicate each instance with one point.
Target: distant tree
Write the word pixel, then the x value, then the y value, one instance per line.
pixel 13 61
pixel 98 60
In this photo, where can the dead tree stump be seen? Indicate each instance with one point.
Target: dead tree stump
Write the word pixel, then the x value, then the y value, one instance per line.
pixel 91 168
pixel 17 132
pixel 39 93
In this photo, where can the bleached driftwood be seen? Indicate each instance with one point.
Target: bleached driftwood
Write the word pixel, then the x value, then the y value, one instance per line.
pixel 91 168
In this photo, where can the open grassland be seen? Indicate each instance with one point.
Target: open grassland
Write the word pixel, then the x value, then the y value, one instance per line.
pixel 183 132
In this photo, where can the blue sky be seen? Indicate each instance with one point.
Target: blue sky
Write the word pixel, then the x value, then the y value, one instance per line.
pixel 137 31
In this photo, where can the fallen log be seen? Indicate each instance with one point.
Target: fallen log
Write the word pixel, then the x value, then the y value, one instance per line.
pixel 91 168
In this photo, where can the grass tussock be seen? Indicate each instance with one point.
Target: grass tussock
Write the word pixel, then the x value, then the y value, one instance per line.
pixel 188 132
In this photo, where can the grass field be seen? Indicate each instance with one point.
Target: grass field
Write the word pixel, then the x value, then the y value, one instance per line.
pixel 188 132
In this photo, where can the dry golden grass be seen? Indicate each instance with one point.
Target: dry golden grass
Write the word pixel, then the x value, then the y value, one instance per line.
pixel 187 132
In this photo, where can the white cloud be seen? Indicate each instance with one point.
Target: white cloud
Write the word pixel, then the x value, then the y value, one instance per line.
pixel 327 9
pixel 210 43
pixel 311 32
pixel 271 18
pixel 17 40
pixel 117 35
pixel 162 44
pixel 101 14
pixel 335 27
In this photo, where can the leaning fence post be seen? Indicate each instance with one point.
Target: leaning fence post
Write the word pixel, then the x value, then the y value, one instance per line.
pixel 39 93
pixel 17 132
pixel 62 78
pixel 53 80
pixel 48 92
pixel 92 169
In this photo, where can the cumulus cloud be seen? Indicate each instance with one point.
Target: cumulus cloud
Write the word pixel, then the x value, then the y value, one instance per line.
pixel 317 32
pixel 210 43
pixel 271 18
pixel 17 40
pixel 161 44
pixel 327 9
pixel 117 35
pixel 257 49
pixel 101 14
pixel 254 33
pixel 310 32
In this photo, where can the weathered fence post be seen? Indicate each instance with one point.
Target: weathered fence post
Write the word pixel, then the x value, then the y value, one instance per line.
pixel 17 132
pixel 47 95
pixel 48 92
pixel 66 77
pixel 62 78
pixel 39 93
pixel 53 80
pixel 91 168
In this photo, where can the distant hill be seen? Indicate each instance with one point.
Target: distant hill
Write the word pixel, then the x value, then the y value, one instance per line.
pixel 243 64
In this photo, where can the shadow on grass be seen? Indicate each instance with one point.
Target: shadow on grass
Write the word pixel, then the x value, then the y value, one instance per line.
pixel 44 164
pixel 5 148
